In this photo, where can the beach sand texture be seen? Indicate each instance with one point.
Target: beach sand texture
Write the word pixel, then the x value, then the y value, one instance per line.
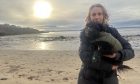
pixel 52 67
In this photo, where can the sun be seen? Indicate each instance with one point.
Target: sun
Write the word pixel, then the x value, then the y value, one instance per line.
pixel 42 9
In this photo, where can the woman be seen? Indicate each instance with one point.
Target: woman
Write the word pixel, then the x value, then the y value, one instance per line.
pixel 100 72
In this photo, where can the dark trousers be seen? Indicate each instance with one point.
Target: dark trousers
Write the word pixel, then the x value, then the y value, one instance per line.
pixel 88 76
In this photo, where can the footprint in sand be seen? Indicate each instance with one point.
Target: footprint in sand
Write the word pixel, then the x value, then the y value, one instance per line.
pixel 59 72
pixel 76 69
pixel 49 70
pixel 33 77
pixel 14 68
pixel 21 75
pixel 3 78
pixel 52 80
pixel 65 78
pixel 6 63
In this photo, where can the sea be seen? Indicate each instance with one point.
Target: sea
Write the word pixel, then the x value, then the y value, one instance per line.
pixel 59 40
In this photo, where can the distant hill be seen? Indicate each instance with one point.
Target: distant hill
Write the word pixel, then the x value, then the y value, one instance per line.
pixel 7 29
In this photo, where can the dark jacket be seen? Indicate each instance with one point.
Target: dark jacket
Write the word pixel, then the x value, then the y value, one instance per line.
pixel 86 51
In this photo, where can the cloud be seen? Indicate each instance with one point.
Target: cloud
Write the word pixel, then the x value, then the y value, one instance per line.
pixel 128 23
pixel 66 12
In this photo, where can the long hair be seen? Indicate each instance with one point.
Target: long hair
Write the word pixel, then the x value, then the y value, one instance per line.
pixel 105 14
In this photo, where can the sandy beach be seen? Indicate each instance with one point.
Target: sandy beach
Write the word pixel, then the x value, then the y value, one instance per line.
pixel 51 67
pixel 40 39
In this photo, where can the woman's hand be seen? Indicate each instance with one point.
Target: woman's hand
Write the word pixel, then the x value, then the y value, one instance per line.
pixel 111 56
pixel 114 67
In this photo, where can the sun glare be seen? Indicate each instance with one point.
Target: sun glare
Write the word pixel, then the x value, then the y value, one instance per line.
pixel 42 9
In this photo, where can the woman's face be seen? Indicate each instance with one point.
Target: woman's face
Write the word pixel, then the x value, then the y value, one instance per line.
pixel 96 15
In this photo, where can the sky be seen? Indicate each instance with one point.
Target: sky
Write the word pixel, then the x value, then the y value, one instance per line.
pixel 69 13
